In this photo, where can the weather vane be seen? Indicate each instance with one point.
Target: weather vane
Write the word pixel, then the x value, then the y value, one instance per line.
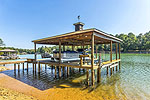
pixel 79 18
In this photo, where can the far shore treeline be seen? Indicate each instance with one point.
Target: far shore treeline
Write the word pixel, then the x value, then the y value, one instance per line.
pixel 131 43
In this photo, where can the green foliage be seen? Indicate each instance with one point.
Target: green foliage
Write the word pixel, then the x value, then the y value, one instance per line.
pixel 20 51
pixel 1 42
pixel 130 42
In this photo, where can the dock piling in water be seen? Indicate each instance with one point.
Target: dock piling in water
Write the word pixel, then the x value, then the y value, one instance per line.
pixel 23 66
pixel 19 67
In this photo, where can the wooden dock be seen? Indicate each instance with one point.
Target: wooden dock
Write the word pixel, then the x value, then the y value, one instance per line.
pixel 55 65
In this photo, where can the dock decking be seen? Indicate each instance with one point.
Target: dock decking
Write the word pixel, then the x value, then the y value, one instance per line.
pixel 107 64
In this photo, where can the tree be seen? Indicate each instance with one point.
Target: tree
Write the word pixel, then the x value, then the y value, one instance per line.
pixel 1 42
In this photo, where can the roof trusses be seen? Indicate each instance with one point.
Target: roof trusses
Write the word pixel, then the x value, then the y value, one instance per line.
pixel 79 38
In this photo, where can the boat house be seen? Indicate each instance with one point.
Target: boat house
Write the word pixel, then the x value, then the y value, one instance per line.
pixel 82 37
pixel 8 54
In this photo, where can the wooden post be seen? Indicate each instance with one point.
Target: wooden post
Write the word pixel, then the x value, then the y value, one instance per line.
pixel 107 71
pixel 110 71
pixel 81 63
pixel 27 66
pixel 113 69
pixel 18 67
pixel 83 58
pixel 15 70
pixel 116 55
pixel 92 59
pixel 67 71
pixel 99 59
pixel 87 76
pixel 98 74
pixel 33 66
pixel 111 51
pixel 96 50
pixel 63 47
pixel 23 66
pixel 59 58
pixel 52 67
pixel 14 67
pixel 72 47
pixel 45 67
pixel 111 56
pixel 119 57
pixel 38 67
pixel 63 71
pixel 41 66
pixel 99 69
pixel 55 71
pixel 116 50
pixel 35 57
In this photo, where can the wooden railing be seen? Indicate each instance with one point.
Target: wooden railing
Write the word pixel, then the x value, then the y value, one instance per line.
pixel 82 57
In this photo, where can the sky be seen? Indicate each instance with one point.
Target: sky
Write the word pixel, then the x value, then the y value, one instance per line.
pixel 22 21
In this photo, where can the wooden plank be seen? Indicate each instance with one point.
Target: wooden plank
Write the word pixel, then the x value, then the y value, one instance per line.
pixel 113 61
pixel 64 35
pixel 70 65
pixel 106 65
pixel 112 66
pixel 80 56
pixel 12 62
pixel 106 38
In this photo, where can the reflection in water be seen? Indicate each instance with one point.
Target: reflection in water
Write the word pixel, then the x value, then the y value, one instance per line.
pixel 133 82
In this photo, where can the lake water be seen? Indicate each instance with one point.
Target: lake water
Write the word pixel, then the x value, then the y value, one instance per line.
pixel 132 82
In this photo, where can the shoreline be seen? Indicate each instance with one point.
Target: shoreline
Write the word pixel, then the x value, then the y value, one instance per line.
pixel 8 94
